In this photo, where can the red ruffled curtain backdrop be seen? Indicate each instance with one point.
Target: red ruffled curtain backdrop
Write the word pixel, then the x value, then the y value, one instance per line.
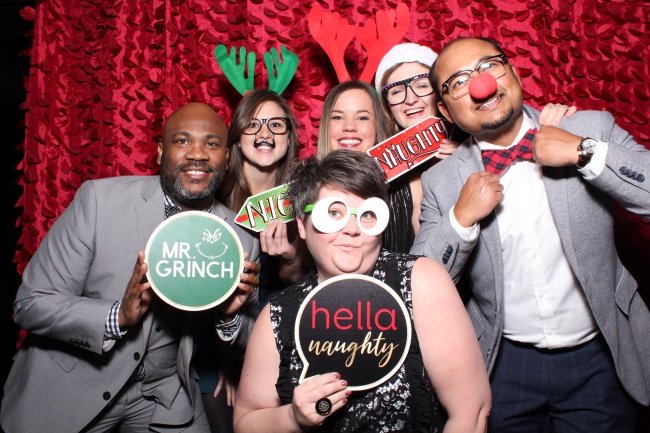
pixel 104 74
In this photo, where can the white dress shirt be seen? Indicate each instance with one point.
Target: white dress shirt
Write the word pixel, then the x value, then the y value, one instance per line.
pixel 544 304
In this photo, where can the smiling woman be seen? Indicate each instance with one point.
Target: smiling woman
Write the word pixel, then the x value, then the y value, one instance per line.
pixel 263 143
pixel 352 119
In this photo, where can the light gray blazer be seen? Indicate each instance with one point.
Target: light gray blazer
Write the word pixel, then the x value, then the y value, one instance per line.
pixel 582 211
pixel 61 379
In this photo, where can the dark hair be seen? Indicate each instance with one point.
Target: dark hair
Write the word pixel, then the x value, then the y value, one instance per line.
pixel 351 171
pixel 235 189
pixel 432 76
pixel 382 131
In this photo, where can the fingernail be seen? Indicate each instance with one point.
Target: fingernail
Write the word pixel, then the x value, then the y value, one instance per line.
pixel 344 401
pixel 347 393
pixel 344 382
pixel 337 376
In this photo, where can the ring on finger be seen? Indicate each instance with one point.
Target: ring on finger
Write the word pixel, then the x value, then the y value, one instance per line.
pixel 323 406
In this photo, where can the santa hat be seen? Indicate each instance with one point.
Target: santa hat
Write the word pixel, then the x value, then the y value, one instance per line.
pixel 403 53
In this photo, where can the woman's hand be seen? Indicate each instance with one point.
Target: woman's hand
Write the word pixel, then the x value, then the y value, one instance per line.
pixel 274 241
pixel 282 240
pixel 552 114
pixel 447 147
pixel 229 385
pixel 305 396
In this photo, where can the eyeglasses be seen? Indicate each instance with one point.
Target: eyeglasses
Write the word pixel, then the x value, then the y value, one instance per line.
pixel 332 214
pixel 458 84
pixel 277 125
pixel 395 93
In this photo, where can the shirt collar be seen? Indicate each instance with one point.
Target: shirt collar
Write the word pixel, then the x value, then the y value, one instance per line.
pixel 172 209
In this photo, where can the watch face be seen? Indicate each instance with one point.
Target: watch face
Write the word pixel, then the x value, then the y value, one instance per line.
pixel 588 145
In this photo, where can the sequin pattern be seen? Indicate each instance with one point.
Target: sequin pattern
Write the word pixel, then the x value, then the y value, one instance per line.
pixel 405 402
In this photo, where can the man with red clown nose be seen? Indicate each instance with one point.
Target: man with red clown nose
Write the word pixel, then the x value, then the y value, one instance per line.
pixel 521 217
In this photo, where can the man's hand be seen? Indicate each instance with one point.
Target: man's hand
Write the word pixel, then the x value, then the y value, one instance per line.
pixel 478 197
pixel 249 280
pixel 137 297
pixel 555 147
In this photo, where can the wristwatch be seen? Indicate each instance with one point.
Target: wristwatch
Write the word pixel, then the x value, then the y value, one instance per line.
pixel 586 150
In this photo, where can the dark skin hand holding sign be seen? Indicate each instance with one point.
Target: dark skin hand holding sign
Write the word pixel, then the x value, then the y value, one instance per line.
pixel 198 168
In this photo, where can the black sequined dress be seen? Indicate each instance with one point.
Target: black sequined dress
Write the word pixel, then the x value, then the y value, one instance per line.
pixel 399 235
pixel 404 403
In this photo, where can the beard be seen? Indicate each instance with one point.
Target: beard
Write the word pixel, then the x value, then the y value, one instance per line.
pixel 500 120
pixel 170 179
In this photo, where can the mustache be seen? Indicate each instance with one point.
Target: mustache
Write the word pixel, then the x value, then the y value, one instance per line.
pixel 270 144
pixel 197 164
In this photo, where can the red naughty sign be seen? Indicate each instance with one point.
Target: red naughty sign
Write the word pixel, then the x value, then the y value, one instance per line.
pixel 410 148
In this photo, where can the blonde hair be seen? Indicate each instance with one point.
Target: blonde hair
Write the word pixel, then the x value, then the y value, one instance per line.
pixel 382 130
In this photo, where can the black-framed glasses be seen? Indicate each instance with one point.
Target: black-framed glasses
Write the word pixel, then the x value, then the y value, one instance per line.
pixel 458 84
pixel 277 125
pixel 395 93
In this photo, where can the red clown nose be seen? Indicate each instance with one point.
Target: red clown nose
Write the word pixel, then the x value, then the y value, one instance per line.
pixel 482 86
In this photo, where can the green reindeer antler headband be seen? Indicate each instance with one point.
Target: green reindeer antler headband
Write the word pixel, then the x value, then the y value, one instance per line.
pixel 241 75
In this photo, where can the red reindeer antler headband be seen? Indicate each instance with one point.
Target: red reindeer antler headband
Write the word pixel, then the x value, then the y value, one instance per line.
pixel 377 38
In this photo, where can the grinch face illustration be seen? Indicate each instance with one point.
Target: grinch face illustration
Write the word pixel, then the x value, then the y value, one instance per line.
pixel 195 259
pixel 210 250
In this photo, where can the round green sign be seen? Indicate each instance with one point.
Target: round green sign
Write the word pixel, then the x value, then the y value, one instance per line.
pixel 194 259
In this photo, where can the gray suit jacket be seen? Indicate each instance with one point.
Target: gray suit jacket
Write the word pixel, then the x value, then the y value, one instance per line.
pixel 582 211
pixel 61 379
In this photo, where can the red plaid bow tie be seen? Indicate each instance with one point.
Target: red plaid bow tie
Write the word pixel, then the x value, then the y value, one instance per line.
pixel 496 161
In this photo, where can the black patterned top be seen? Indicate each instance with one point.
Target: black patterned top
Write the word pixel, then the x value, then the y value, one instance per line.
pixel 404 403
pixel 399 233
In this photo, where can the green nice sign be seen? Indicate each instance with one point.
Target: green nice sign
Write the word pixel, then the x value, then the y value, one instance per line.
pixel 194 259
pixel 264 207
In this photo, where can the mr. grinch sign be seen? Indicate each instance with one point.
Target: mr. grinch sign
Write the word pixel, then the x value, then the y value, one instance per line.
pixel 194 259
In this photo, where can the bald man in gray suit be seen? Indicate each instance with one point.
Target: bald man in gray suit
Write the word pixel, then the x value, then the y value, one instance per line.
pixel 100 357
pixel 521 216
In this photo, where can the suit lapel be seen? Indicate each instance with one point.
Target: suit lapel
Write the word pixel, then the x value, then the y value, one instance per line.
pixel 150 212
pixel 150 209
pixel 489 235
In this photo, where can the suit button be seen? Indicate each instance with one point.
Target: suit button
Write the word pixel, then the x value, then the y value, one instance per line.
pixel 622 170
pixel 640 177
pixel 107 395
pixel 136 356
pixel 158 328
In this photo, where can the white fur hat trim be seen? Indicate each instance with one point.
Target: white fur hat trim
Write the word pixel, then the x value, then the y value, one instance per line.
pixel 403 53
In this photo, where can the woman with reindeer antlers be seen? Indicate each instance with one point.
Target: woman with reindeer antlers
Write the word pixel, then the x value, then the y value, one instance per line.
pixel 399 69
pixel 263 143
